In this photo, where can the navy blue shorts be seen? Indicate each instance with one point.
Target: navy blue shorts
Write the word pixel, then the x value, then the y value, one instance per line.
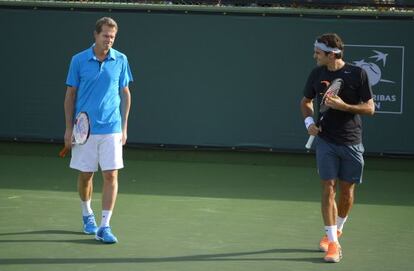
pixel 341 162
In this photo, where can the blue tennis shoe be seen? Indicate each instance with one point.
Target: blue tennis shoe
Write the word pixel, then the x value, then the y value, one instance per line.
pixel 89 224
pixel 105 235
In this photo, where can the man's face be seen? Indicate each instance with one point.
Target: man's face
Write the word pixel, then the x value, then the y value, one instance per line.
pixel 106 38
pixel 322 59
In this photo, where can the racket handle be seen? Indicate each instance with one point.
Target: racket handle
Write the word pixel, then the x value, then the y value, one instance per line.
pixel 310 141
pixel 63 152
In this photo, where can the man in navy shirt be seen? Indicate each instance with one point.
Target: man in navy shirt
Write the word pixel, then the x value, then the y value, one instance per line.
pixel 98 84
pixel 339 146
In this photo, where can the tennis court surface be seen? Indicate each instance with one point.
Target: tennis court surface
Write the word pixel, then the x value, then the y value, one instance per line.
pixel 200 210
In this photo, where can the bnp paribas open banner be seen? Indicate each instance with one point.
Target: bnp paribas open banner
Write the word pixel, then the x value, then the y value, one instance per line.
pixel 385 68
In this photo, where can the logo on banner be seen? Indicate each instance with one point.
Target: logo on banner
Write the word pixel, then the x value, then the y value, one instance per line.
pixel 385 69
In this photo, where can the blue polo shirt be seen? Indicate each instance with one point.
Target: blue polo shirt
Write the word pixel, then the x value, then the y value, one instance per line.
pixel 98 88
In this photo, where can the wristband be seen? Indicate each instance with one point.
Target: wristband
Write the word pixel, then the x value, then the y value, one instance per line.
pixel 308 122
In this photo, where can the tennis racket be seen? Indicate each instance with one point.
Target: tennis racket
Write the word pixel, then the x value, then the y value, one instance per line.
pixel 81 130
pixel 333 89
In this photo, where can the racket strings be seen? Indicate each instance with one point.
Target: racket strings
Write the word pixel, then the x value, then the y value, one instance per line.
pixel 81 129
pixel 332 91
pixel 80 132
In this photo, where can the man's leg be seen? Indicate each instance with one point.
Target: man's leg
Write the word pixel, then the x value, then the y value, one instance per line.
pixel 110 190
pixel 328 166
pixel 110 160
pixel 329 209
pixel 352 164
pixel 85 185
pixel 85 188
pixel 329 213
pixel 345 202
pixel 109 194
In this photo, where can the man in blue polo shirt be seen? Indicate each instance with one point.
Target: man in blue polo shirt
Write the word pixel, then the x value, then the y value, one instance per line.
pixel 97 83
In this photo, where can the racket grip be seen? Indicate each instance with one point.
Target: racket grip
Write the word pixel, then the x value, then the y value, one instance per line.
pixel 63 152
pixel 310 141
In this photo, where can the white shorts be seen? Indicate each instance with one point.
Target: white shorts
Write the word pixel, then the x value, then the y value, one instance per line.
pixel 100 150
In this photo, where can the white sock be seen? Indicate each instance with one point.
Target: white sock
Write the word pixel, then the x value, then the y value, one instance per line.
pixel 106 216
pixel 331 233
pixel 340 221
pixel 86 208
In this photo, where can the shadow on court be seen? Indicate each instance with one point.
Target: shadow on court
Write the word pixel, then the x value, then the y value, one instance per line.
pixel 44 233
pixel 239 257
pixel 260 255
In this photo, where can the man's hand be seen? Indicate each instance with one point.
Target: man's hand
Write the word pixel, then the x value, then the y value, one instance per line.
pixel 313 130
pixel 336 102
pixel 124 137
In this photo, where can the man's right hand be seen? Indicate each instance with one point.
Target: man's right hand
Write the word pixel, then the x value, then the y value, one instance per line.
pixel 313 130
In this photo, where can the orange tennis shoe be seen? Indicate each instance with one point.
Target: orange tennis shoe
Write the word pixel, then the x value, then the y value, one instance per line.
pixel 323 244
pixel 334 253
